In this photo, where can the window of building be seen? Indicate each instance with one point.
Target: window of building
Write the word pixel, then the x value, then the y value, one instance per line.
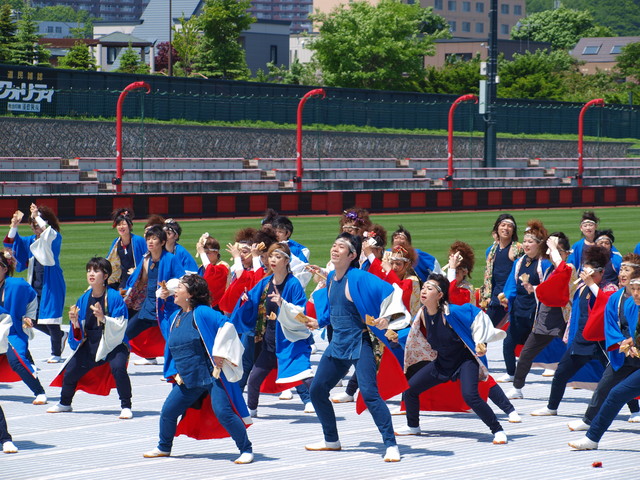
pixel 517 10
pixel 466 26
pixel 504 9
pixel 591 49
pixel 452 25
pixel 616 49
pixel 58 29
pixel 273 54
pixel 504 29
pixel 453 57
pixel 438 5
pixel 451 5
pixel 50 29
pixel 479 27
pixel 466 6
pixel 479 7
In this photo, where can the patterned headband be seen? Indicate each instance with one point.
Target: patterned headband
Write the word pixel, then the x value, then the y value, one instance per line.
pixel 352 249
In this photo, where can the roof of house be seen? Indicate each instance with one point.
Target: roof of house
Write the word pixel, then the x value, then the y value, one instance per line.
pixel 601 49
pixel 123 38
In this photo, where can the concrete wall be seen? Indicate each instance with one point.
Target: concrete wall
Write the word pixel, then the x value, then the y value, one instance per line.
pixel 25 137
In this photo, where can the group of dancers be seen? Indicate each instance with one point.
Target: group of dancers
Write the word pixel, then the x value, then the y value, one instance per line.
pixel 406 324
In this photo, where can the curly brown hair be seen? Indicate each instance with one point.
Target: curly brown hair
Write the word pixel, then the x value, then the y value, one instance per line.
pixel 468 256
pixel 246 235
pixel 357 216
pixel 537 230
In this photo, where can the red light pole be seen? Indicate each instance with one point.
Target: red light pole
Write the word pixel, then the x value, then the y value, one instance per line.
pixel 117 180
pixel 299 169
pixel 598 102
pixel 459 100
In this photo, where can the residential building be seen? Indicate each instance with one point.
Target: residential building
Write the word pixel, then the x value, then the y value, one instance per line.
pixel 107 10
pixel 468 48
pixel 599 53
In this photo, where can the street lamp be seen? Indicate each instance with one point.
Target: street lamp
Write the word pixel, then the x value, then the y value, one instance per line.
pixel 170 69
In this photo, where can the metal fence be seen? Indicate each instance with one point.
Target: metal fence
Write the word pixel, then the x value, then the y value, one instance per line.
pixel 56 93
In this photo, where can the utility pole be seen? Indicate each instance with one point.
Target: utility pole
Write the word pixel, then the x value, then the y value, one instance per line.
pixel 492 70
pixel 170 67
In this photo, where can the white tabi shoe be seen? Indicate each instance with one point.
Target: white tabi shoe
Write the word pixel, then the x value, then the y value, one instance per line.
pixel 126 414
pixel 407 430
pixel 584 444
pixel 59 408
pixel 253 412
pixel 578 426
pixel 146 361
pixel 324 446
pixel 506 378
pixel 500 438
pixel 548 372
pixel 544 412
pixel 155 453
pixel 392 454
pixel 40 399
pixel 515 394
pixel 308 408
pixel 286 395
pixel 634 418
pixel 342 398
pixel 246 457
pixel 514 417
pixel 9 447
pixel 55 359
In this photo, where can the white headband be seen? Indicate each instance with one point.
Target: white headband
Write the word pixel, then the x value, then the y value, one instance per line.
pixel 531 235
pixel 629 264
pixel 634 281
pixel 508 220
pixel 603 236
pixel 434 285
pixel 282 252
pixel 352 249
pixel 587 221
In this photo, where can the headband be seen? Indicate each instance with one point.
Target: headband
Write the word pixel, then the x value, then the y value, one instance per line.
pixel 588 222
pixel 352 249
pixel 398 253
pixel 509 221
pixel 281 252
pixel 629 264
pixel 634 281
pixel 602 237
pixel 211 250
pixel 434 284
pixel 531 235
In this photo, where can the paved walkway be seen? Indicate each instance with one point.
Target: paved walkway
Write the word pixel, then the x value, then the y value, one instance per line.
pixel 92 443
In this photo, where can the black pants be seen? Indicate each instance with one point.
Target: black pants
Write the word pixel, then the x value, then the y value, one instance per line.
pixel 532 347
pixel 569 365
pixel 84 360
pixel 55 332
pixel 519 330
pixel 4 431
pixel 610 378
pixel 496 313
pixel 428 377
pixel 137 325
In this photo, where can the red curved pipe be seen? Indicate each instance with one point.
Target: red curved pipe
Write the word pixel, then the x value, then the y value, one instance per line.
pixel 119 170
pixel 598 102
pixel 299 168
pixel 459 100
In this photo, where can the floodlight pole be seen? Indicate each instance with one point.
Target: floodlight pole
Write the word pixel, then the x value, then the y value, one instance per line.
pixel 117 180
pixel 598 102
pixel 452 109
pixel 299 168
pixel 492 70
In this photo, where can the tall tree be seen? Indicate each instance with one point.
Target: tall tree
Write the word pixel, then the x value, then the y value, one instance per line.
pixel 629 61
pixel 7 33
pixel 130 62
pixel 78 58
pixel 365 46
pixel 187 41
pixel 220 54
pixel 27 50
pixel 562 28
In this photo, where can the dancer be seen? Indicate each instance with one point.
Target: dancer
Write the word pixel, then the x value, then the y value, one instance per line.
pixel 173 231
pixel 39 254
pixel 259 317
pixel 614 329
pixel 126 251
pixel 213 270
pixel 192 355
pixel 283 229
pixel 98 320
pixel 625 391
pixel 21 302
pixel 350 296
pixel 588 225
pixel 605 239
pixel 426 264
pixel 580 351
pixel 5 438
pixel 552 312
pixel 151 315
pixel 459 335
pixel 499 257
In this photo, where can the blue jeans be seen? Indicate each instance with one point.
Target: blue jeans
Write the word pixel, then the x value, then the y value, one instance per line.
pixel 27 377
pixel 330 370
pixel 180 398
pixel 626 390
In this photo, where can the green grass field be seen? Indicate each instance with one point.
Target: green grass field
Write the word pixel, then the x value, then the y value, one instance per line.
pixel 431 232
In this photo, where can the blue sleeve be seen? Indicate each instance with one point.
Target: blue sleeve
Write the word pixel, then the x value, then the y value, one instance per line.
pixel 510 285
pixel 245 316
pixel 20 247
pixel 637 249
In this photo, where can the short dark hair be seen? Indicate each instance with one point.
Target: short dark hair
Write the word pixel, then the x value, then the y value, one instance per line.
pixel 356 241
pixel 501 218
pixel 597 257
pixel 563 241
pixel 156 231
pixel 101 264
pixel 443 283
pixel 283 223
pixel 198 288
pixel 123 215
pixel 171 224
pixel 605 233
pixel 402 231
pixel 589 215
